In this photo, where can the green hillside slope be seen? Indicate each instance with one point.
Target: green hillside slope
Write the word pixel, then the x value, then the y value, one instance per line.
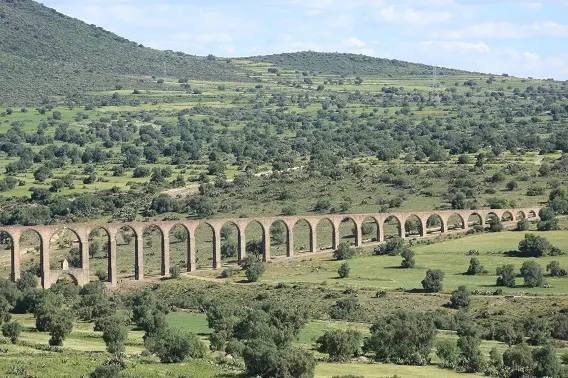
pixel 45 53
pixel 350 64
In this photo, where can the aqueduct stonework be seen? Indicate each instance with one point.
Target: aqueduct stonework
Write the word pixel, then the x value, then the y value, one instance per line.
pixel 81 275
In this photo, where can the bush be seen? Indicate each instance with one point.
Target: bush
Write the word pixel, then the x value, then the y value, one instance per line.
pixel 12 331
pixel 115 334
pixel 433 281
pixel 106 371
pixel 174 345
pixel 495 225
pixel 475 267
pixel 506 275
pixel 554 268
pixel 344 270
pixel 345 309
pixel 340 345
pixel 229 272
pixel 392 247
pixel 532 273
pixel 408 259
pixel 537 246
pixel 175 272
pixel 266 360
pixel 447 351
pixel 343 252
pixel 254 271
pixel 460 298
pixel 523 225
pixel 402 337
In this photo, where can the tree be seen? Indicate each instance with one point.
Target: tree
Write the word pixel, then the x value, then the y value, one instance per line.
pixel 532 273
pixel 173 345
pixel 402 337
pixel 460 298
pixel 506 275
pixel 546 362
pixel 470 359
pixel 106 371
pixel 254 271
pixel 433 281
pixel 344 270
pixel 266 360
pixel 174 272
pixel 12 331
pixel 523 225
pixel 518 359
pixel 495 224
pixel 536 246
pixel 228 249
pixel 340 345
pixel 392 247
pixel 343 252
pixel 475 267
pixel 554 268
pixel 447 351
pixel 408 258
pixel 60 325
pixel 115 334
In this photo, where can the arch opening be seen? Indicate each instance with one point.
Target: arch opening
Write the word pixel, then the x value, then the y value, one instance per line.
pixel 99 249
pixel 348 231
pixel 507 217
pixel 126 240
pixel 5 254
pixel 65 244
pixel 531 214
pixel 302 236
pixel 455 222
pixel 152 238
pixel 434 224
pixel 179 247
pixel 67 279
pixel 30 252
pixel 392 227
pixel 255 239
pixel 230 240
pixel 370 230
pixel 326 234
pixel 413 226
pixel 491 216
pixel 474 220
pixel 278 239
pixel 204 245
pixel 520 215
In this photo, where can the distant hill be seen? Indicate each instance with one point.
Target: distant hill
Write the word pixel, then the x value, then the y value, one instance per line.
pixel 350 64
pixel 45 53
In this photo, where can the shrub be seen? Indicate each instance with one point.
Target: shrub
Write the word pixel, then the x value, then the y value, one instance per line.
pixel 392 247
pixel 447 351
pixel 266 360
pixel 460 298
pixel 345 309
pixel 408 259
pixel 532 273
pixel 506 275
pixel 340 345
pixel 106 371
pixel 518 359
pixel 254 271
pixel 174 345
pixel 475 267
pixel 402 337
pixel 175 272
pixel 344 270
pixel 554 268
pixel 495 225
pixel 536 246
pixel 229 272
pixel 343 252
pixel 12 331
pixel 115 334
pixel 523 225
pixel 433 281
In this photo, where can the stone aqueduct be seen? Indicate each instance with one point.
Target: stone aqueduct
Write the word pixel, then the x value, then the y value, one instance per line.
pixel 82 231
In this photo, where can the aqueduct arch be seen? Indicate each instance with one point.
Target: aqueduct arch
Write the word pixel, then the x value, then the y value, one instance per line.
pixel 82 231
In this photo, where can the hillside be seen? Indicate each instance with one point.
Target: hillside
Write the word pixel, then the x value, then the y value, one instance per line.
pixel 350 64
pixel 45 53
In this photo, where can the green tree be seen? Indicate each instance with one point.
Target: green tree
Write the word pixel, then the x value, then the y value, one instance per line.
pixel 343 252
pixel 340 345
pixel 402 337
pixel 12 331
pixel 174 345
pixel 460 298
pixel 407 258
pixel 523 225
pixel 532 273
pixel 475 267
pixel 60 325
pixel 433 281
pixel 392 247
pixel 536 246
pixel 555 270
pixel 255 270
pixel 447 352
pixel 344 270
pixel 518 359
pixel 506 275
pixel 115 334
pixel 547 363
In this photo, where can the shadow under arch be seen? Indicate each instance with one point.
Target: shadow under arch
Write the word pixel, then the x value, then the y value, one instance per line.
pixel 65 244
pixel 204 245
pixel 303 234
pixel 31 244
pixel 413 226
pixel 179 238
pixel 153 250
pixel 370 231
pixel 231 239
pixel 507 216
pixel 491 215
pixel 256 238
pixel 326 234
pixel 279 238
pixel 126 246
pixel 455 222
pixel 392 227
pixel 435 224
pixel 66 277
pixel 348 231
pixel 99 248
